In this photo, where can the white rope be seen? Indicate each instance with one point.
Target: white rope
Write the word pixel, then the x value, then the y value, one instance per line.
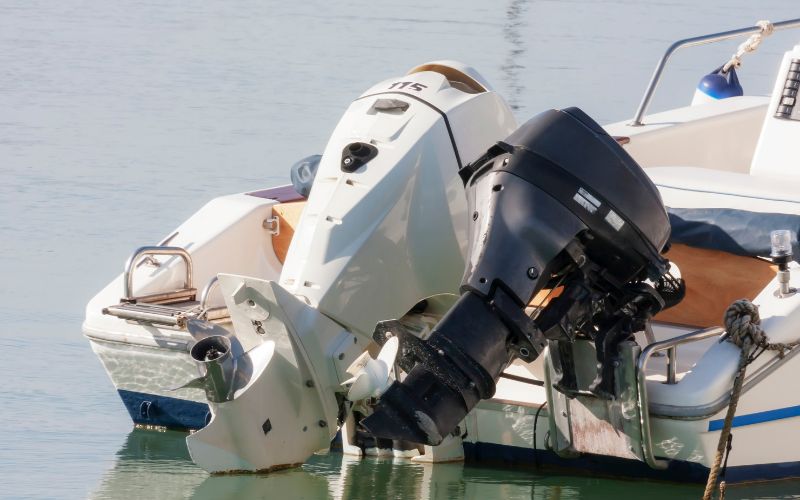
pixel 749 45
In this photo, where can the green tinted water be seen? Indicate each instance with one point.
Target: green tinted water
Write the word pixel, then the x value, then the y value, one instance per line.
pixel 157 462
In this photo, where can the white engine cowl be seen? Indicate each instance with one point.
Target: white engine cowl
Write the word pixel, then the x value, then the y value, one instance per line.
pixel 384 227
pixel 373 242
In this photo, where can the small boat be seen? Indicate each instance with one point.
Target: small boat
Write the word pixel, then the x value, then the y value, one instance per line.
pixel 429 122
pixel 456 287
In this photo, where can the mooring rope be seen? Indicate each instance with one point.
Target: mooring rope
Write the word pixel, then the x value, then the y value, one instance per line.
pixel 749 45
pixel 743 324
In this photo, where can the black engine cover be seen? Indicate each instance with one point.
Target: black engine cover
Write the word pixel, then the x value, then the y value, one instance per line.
pixel 558 200
pixel 587 181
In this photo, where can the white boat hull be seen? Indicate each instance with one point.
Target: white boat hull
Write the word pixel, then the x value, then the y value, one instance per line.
pixel 143 376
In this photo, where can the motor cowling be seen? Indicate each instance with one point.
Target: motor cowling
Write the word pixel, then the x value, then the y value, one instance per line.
pixel 384 223
pixel 382 229
pixel 559 205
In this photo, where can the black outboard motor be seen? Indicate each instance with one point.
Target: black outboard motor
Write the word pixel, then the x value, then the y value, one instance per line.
pixel 557 205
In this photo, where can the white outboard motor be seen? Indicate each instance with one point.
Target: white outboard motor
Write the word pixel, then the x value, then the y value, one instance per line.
pixel 385 226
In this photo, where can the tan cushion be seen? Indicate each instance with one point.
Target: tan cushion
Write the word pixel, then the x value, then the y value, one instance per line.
pixel 288 215
pixel 714 280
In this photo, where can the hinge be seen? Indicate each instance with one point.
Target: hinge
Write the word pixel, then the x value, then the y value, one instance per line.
pixel 273 225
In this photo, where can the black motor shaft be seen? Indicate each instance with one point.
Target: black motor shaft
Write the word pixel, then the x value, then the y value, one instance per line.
pixel 458 366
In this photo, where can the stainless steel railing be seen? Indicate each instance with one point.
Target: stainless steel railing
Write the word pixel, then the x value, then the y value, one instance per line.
pixel 212 284
pixel 142 252
pixel 693 42
pixel 671 346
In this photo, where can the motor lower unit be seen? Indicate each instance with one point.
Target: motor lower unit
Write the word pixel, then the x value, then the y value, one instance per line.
pixel 557 210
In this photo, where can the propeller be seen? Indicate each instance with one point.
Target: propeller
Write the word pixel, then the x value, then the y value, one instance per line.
pixel 219 357
pixel 371 377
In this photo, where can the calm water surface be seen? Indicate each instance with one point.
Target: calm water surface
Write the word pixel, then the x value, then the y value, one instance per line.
pixel 120 119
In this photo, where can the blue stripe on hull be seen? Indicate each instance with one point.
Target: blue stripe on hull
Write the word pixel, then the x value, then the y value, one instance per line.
pixel 489 453
pixel 174 413
pixel 757 418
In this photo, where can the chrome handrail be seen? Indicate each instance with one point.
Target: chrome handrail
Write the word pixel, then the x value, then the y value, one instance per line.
pixel 211 285
pixel 141 252
pixel 641 373
pixel 693 42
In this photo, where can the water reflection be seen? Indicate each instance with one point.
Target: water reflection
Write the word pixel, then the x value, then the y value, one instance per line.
pixel 295 483
pixel 149 465
pixel 512 67
pixel 337 477
pixel 157 465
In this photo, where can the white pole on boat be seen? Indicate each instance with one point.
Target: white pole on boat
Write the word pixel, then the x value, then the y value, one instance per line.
pixel 693 42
